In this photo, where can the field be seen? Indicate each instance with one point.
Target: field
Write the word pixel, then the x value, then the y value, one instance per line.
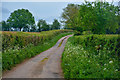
pixel 17 46
pixel 92 56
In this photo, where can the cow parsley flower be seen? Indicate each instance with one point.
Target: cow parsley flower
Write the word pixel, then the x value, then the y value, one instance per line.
pixel 104 69
pixel 111 62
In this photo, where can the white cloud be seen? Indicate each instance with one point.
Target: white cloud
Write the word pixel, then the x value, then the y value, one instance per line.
pixel 54 0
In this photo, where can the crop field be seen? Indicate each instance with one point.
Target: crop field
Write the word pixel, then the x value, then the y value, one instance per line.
pixel 92 56
pixel 17 46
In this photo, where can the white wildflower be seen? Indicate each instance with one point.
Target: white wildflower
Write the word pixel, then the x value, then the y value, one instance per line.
pixel 111 62
pixel 89 61
pixel 116 70
pixel 104 64
pixel 104 69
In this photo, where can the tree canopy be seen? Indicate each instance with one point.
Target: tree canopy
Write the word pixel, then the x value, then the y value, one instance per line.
pixel 98 17
pixel 42 25
pixel 55 25
pixel 5 26
pixel 21 18
pixel 69 14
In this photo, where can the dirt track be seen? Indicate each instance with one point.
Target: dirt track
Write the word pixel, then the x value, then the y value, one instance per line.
pixel 45 65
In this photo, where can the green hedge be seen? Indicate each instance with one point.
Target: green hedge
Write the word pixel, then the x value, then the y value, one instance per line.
pixel 92 56
pixel 10 40
pixel 15 55
pixel 98 42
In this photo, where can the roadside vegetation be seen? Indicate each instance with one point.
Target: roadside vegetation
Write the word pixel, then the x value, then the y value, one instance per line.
pixel 18 46
pixel 94 50
pixel 92 56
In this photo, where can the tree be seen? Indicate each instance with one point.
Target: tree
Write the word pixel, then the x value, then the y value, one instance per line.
pixel 55 25
pixel 5 26
pixel 21 18
pixel 69 14
pixel 39 24
pixel 33 28
pixel 98 17
pixel 42 25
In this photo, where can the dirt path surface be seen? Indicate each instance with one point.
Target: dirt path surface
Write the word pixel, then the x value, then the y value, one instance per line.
pixel 45 65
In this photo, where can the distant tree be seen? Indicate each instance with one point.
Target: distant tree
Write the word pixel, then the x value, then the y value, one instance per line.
pixel 39 24
pixel 69 15
pixel 33 28
pixel 20 19
pixel 26 28
pixel 45 27
pixel 42 25
pixel 5 26
pixel 55 25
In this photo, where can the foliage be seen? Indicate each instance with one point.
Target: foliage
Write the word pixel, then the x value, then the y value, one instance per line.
pixel 69 14
pixel 92 56
pixel 33 28
pixel 77 32
pixel 42 25
pixel 5 26
pixel 21 18
pixel 22 39
pixel 31 43
pixel 86 32
pixel 98 17
pixel 55 25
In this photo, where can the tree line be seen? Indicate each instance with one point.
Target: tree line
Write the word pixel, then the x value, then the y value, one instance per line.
pixel 96 17
pixel 23 20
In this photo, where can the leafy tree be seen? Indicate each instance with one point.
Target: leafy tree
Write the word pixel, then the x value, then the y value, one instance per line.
pixel 5 26
pixel 33 28
pixel 69 14
pixel 45 27
pixel 42 25
pixel 21 18
pixel 98 17
pixel 26 28
pixel 55 25
pixel 39 24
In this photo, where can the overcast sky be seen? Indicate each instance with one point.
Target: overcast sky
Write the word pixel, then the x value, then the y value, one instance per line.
pixel 41 10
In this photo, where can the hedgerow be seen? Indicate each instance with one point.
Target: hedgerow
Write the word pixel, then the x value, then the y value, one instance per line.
pixel 92 56
pixel 10 40
pixel 26 45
